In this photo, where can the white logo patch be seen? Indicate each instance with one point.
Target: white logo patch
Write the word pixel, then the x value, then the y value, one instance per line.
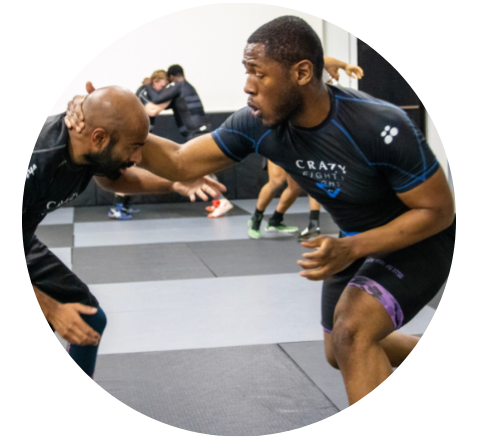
pixel 389 133
pixel 31 171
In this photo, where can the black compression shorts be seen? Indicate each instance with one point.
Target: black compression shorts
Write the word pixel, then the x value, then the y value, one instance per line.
pixel 54 278
pixel 403 281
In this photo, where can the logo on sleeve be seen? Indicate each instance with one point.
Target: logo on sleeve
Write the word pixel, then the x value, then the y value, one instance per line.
pixel 389 133
pixel 31 171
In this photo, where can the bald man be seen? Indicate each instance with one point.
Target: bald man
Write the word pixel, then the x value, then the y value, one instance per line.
pixel 62 164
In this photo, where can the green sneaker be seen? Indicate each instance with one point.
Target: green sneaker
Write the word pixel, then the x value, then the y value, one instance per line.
pixel 254 228
pixel 281 228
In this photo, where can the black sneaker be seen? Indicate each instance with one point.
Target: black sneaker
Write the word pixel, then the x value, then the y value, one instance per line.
pixel 254 225
pixel 309 232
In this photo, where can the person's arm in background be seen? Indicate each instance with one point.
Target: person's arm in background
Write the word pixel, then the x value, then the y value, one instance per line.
pixel 154 109
pixel 332 65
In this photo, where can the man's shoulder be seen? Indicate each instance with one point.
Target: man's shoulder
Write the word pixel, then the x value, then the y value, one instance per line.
pixel 362 109
pixel 53 135
pixel 244 120
pixel 141 90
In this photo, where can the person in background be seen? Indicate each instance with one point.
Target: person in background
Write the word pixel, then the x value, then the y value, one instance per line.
pixel 180 96
pixel 122 209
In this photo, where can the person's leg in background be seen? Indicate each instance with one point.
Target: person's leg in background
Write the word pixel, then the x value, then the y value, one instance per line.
pixel 127 206
pixel 314 220
pixel 287 199
pixel 118 211
pixel 277 178
pixel 85 356
pixel 220 205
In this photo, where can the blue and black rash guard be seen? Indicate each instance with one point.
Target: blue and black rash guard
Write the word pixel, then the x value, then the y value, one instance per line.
pixel 354 162
pixel 52 180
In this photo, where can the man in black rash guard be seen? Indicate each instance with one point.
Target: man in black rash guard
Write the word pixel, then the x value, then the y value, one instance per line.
pixel 366 162
pixel 62 164
pixel 180 96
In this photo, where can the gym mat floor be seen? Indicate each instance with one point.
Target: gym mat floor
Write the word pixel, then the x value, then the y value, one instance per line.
pixel 208 330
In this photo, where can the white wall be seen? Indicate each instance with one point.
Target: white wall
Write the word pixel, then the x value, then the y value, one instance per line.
pixel 338 43
pixel 210 55
pixel 453 135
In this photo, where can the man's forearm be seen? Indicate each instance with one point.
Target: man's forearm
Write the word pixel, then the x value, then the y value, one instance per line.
pixel 408 229
pixel 330 62
pixel 47 304
pixel 161 157
pixel 137 181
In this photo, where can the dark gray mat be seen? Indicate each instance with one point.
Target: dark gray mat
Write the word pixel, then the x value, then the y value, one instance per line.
pixel 152 211
pixel 236 391
pixel 137 263
pixel 310 357
pixel 60 235
pixel 250 257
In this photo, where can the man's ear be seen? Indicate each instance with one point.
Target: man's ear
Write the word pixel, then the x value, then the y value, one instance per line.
pixel 303 72
pixel 99 139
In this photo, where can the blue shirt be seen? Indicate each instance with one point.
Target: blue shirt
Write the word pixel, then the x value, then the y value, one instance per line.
pixel 354 163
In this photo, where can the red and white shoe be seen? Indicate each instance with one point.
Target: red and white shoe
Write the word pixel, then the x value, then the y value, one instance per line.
pixel 224 206
pixel 215 205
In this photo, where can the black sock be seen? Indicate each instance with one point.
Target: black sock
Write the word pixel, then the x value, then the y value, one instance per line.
pixel 259 213
pixel 126 201
pixel 276 219
pixel 256 219
pixel 314 219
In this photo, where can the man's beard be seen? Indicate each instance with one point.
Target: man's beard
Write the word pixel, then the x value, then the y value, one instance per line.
pixel 105 165
pixel 291 105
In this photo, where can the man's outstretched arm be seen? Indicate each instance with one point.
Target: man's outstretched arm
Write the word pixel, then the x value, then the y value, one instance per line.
pixel 198 157
pixel 135 180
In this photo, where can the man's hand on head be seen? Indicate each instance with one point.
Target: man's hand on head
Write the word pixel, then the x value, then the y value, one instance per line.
pixel 74 118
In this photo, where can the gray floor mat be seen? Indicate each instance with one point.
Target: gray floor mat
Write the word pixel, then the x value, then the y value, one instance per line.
pixel 58 235
pixel 238 391
pixel 250 257
pixel 137 263
pixel 152 211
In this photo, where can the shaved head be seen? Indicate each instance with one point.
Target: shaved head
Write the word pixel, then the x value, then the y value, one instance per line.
pixel 116 127
pixel 115 109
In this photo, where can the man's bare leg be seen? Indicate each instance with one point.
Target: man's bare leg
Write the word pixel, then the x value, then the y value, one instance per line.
pixel 397 347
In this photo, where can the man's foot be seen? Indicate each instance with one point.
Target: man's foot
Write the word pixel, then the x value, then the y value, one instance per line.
pixel 129 210
pixel 214 206
pixel 254 225
pixel 118 214
pixel 281 228
pixel 224 206
pixel 310 232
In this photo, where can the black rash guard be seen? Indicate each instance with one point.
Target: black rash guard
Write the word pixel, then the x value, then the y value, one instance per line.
pixel 143 96
pixel 353 163
pixel 52 178
pixel 185 103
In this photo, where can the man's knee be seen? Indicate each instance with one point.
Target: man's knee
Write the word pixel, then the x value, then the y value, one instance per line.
pixel 276 183
pixel 348 334
pixel 97 321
